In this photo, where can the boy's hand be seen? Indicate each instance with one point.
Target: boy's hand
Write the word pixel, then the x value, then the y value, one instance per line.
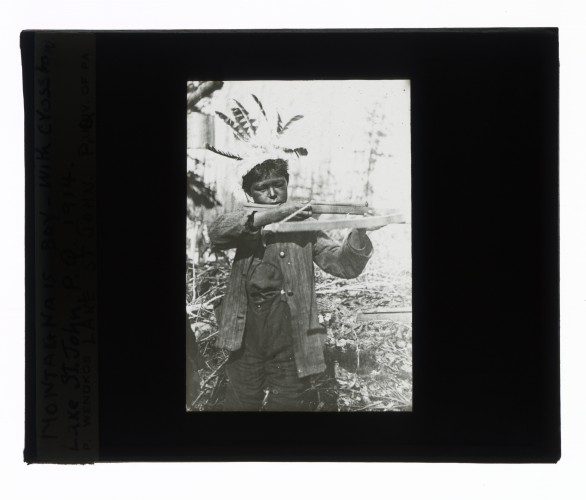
pixel 281 212
pixel 358 235
pixel 302 211
pixel 370 213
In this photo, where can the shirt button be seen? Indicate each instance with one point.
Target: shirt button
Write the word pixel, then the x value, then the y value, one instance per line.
pixel 258 306
pixel 281 254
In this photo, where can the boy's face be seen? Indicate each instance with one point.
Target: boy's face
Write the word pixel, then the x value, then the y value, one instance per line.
pixel 270 191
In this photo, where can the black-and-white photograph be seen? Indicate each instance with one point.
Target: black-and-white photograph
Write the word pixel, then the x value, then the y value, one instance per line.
pixel 298 247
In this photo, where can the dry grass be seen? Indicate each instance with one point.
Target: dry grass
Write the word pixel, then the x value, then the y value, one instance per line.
pixel 369 364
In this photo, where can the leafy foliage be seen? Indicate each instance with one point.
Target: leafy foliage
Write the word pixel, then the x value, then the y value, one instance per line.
pixel 201 194
pixel 199 94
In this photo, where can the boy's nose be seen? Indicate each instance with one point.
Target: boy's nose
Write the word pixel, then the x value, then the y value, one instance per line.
pixel 272 192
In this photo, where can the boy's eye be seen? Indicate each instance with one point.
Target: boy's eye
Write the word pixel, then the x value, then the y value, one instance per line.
pixel 276 185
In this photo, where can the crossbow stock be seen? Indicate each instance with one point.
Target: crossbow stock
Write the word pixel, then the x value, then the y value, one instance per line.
pixel 354 216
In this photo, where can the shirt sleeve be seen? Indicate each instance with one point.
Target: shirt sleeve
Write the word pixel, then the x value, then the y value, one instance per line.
pixel 340 259
pixel 231 229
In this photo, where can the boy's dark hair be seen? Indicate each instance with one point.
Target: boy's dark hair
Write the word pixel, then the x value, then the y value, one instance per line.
pixel 264 170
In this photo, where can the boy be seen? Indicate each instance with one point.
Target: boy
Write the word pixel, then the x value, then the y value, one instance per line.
pixel 269 318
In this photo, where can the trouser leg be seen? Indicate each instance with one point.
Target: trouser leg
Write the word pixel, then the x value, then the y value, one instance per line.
pixel 246 381
pixel 245 368
pixel 287 392
pixel 267 361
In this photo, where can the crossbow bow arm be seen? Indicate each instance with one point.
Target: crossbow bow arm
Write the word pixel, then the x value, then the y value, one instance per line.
pixel 328 225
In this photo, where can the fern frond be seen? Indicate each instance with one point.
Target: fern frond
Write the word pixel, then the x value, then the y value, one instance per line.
pixel 294 119
pixel 260 106
pixel 226 120
pixel 298 151
pixel 211 148
pixel 279 124
pixel 234 126
pixel 243 125
pixel 246 116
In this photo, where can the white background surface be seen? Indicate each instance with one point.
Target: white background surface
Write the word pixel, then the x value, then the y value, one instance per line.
pixel 347 481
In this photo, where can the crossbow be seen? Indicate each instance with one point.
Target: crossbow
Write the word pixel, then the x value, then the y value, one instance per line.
pixel 354 216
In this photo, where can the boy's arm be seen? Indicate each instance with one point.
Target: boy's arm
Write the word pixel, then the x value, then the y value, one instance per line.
pixel 232 228
pixel 343 260
pixel 242 226
pixel 358 240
